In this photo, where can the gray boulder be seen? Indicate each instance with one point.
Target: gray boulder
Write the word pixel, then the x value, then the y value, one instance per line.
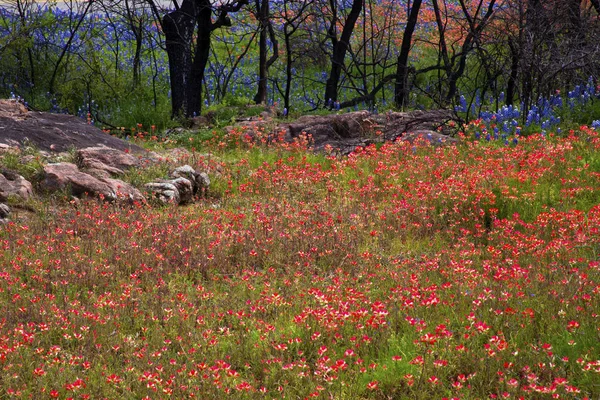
pixel 13 184
pixel 186 172
pixel 185 189
pixel 4 211
pixel 203 183
pixel 165 192
pixel 199 180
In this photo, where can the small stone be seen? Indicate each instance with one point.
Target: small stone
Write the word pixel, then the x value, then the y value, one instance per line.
pixel 4 211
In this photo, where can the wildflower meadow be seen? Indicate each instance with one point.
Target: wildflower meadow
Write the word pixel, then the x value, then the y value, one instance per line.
pixel 401 271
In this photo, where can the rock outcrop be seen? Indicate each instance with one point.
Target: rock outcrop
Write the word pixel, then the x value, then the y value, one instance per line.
pixel 345 132
pixel 53 132
pixel 164 192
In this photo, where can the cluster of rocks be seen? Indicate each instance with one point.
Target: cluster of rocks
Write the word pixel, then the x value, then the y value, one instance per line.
pixel 184 185
pixel 99 165
pixel 345 132
pixel 98 169
pixel 96 173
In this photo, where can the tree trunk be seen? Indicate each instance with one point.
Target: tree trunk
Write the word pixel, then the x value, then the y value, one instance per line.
pixel 534 21
pixel 178 27
pixel 194 86
pixel 262 7
pixel 402 90
pixel 288 67
pixel 511 86
pixel 186 68
pixel 137 57
pixel 339 52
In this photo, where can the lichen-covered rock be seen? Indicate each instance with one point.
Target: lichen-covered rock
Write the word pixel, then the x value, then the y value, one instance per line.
pixel 165 192
pixel 185 189
pixel 200 180
pixel 186 172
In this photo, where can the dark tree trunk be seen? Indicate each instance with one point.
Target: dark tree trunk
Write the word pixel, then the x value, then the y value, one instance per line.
pixel 137 57
pixel 178 27
pixel 288 67
pixel 339 51
pixel 187 68
pixel 575 27
pixel 534 21
pixel 402 89
pixel 262 7
pixel 194 86
pixel 137 28
pixel 443 47
pixel 574 11
pixel 511 86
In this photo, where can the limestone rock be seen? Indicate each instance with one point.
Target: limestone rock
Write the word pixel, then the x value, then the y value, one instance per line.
pixel 165 192
pixel 185 189
pixel 200 180
pixel 13 184
pixel 113 161
pixel 66 176
pixel 124 191
pixel 186 172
